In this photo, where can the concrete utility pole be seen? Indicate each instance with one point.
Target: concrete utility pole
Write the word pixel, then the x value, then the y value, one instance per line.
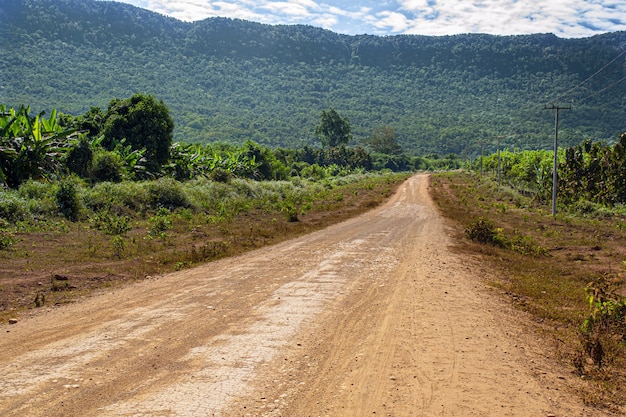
pixel 499 138
pixel 556 148
pixel 481 157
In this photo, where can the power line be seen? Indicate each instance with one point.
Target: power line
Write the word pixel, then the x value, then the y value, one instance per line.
pixel 603 90
pixel 591 76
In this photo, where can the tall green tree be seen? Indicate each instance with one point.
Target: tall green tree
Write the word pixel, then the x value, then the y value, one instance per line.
pixel 144 123
pixel 384 140
pixel 333 129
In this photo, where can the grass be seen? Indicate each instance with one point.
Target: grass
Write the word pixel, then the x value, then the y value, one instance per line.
pixel 129 231
pixel 544 267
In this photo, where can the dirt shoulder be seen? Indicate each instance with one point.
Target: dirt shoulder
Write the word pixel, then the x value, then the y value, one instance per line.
pixel 373 316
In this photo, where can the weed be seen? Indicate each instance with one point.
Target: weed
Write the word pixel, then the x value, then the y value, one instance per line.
pixel 527 246
pixel 606 319
pixel 111 224
pixel 500 207
pixel 6 239
pixel 119 246
pixel 40 299
pixel 160 223
pixel 91 247
pixel 186 214
pixel 208 251
pixel 179 266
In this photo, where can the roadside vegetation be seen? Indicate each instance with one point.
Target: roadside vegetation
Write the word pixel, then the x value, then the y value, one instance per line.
pixel 61 240
pixel 97 200
pixel 567 270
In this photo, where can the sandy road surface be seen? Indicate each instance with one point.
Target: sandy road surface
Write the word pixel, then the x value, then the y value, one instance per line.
pixel 370 317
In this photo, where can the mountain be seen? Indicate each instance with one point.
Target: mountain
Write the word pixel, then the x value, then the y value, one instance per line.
pixel 232 80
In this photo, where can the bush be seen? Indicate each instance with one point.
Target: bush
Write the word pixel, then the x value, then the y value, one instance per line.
pixel 13 207
pixel 160 223
pixel 107 166
pixel 221 175
pixel 484 231
pixel 79 158
pixel 106 195
pixel 166 192
pixel 40 197
pixel 68 200
pixel 110 223
pixel 36 190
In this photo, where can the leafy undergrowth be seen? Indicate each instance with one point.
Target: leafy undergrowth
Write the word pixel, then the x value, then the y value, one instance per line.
pixel 55 261
pixel 567 271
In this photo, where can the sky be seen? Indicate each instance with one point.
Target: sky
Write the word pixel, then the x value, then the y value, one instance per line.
pixel 564 18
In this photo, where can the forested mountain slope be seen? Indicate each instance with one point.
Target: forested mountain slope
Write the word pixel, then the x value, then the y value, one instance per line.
pixel 232 80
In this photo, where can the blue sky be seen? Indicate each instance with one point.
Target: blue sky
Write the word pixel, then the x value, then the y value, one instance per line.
pixel 564 18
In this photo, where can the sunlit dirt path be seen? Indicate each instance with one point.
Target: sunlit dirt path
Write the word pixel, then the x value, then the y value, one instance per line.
pixel 374 316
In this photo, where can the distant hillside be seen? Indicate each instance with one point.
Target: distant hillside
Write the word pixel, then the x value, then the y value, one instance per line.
pixel 232 80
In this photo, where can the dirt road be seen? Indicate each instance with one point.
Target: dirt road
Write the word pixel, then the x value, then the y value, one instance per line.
pixel 374 316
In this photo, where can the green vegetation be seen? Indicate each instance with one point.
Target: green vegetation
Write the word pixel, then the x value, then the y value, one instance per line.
pixel 29 145
pixel 591 175
pixel 333 129
pixel 132 229
pixel 233 81
pixel 133 142
pixel 144 124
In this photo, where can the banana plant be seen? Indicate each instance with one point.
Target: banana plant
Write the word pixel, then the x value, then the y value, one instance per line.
pixel 30 147
pixel 187 161
pixel 134 158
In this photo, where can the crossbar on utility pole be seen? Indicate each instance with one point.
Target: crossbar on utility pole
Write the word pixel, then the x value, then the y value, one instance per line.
pixel 556 108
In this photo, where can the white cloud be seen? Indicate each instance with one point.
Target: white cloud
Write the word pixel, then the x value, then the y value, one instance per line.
pixel 394 21
pixel 566 18
pixel 287 9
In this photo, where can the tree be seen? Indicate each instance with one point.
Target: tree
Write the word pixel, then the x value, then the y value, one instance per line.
pixel 145 123
pixel 79 158
pixel 383 140
pixel 333 130
pixel 92 122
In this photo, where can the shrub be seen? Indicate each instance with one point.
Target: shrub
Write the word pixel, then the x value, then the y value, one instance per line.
pixel 484 231
pixel 13 207
pixel 79 158
pixel 36 190
pixel 107 166
pixel 160 223
pixel 221 175
pixel 68 200
pixel 40 197
pixel 166 192
pixel 110 223
pixel 106 195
